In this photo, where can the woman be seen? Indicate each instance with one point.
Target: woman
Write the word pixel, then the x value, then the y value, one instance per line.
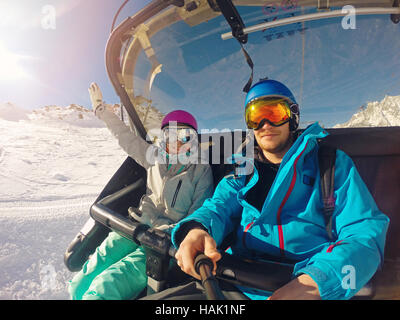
pixel 176 187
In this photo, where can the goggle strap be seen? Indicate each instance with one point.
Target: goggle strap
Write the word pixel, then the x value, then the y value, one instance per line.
pixel 263 121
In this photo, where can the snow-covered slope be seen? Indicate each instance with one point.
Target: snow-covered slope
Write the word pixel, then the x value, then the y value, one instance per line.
pixel 54 161
pixel 385 113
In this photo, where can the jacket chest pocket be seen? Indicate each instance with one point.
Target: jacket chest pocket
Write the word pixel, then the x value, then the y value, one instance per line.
pixel 178 194
pixel 175 195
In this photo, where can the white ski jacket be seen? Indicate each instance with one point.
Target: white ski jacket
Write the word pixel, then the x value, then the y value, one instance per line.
pixel 173 190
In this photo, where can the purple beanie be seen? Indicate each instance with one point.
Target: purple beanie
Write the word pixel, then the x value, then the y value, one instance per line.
pixel 180 117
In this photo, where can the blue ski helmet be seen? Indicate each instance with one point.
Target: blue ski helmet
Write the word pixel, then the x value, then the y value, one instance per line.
pixel 272 88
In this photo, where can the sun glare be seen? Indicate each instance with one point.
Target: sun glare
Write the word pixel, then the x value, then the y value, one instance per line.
pixel 10 67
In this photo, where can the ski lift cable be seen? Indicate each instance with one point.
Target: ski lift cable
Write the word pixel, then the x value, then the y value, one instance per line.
pixel 311 17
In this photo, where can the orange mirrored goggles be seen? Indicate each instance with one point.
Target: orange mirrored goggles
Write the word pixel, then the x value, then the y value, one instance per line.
pixel 275 111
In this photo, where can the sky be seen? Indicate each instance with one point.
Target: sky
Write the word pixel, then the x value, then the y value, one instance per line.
pixel 51 60
pixel 344 69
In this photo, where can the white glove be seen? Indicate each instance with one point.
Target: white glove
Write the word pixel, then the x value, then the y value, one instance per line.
pixel 96 96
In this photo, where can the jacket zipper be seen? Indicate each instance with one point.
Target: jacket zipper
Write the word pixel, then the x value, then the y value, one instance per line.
pixel 329 250
pixel 278 217
pixel 247 228
pixel 176 193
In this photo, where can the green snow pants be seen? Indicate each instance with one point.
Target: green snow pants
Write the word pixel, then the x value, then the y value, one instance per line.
pixel 115 271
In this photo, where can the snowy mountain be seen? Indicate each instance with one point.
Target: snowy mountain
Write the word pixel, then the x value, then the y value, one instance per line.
pixel 385 113
pixel 54 162
pixel 74 114
pixel 11 112
pixel 151 117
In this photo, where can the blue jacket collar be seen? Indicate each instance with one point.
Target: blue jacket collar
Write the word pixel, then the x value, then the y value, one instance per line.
pixel 310 135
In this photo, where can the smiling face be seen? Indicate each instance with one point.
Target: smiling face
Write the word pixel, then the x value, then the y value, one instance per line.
pixel 274 141
pixel 175 147
pixel 179 139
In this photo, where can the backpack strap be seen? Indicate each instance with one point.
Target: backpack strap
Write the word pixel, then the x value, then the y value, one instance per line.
pixel 326 159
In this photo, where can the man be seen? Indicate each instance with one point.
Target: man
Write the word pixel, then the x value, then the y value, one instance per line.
pixel 278 209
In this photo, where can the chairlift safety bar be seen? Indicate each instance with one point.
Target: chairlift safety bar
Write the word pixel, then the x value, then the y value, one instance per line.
pixel 310 17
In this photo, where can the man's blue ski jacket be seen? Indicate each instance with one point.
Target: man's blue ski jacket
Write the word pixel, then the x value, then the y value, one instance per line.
pixel 291 222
